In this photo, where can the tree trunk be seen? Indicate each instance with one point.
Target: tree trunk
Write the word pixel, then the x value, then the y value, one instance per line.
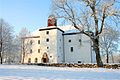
pixel 1 52
pixel 0 58
pixel 23 52
pixel 112 58
pixel 97 51
pixel 107 57
pixel 23 57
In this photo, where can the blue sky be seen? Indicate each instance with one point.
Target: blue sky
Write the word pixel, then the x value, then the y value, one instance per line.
pixel 31 14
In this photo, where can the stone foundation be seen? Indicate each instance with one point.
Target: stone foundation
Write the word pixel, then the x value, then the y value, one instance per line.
pixel 110 66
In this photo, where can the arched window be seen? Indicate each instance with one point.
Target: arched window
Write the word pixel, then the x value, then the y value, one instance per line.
pixel 45 58
pixel 36 60
pixel 29 60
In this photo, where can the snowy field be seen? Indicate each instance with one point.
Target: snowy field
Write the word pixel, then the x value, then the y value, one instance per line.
pixel 29 72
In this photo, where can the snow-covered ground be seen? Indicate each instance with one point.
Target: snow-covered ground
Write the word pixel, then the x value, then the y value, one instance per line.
pixel 29 72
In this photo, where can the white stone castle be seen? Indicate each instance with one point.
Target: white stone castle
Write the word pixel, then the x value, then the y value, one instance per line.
pixel 53 44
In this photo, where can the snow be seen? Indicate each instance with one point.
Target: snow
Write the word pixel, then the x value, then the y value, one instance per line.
pixel 32 72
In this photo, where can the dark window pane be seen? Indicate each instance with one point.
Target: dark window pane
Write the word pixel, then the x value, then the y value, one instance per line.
pixel 47 47
pixel 38 41
pixel 69 40
pixel 29 60
pixel 38 50
pixel 47 40
pixel 79 61
pixel 71 49
pixel 47 32
pixel 36 60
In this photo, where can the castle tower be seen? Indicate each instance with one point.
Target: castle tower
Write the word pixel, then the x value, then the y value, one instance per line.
pixel 52 21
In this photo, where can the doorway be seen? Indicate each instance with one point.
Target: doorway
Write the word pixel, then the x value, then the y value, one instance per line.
pixel 45 58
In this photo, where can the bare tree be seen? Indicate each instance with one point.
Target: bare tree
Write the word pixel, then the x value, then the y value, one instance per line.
pixel 6 38
pixel 89 17
pixel 1 41
pixel 109 40
pixel 23 46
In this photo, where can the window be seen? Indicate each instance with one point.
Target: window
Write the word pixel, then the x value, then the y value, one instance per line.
pixel 38 50
pixel 38 41
pixel 36 60
pixel 31 42
pixel 79 61
pixel 69 40
pixel 47 40
pixel 80 41
pixel 47 32
pixel 71 49
pixel 29 60
pixel 30 50
pixel 47 47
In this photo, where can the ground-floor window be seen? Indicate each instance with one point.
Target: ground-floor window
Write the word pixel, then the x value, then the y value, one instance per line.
pixel 79 61
pixel 29 60
pixel 36 60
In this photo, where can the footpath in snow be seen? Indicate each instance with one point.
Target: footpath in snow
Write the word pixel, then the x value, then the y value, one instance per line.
pixel 30 72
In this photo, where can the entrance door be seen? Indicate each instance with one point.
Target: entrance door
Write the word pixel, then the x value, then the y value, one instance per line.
pixel 45 58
